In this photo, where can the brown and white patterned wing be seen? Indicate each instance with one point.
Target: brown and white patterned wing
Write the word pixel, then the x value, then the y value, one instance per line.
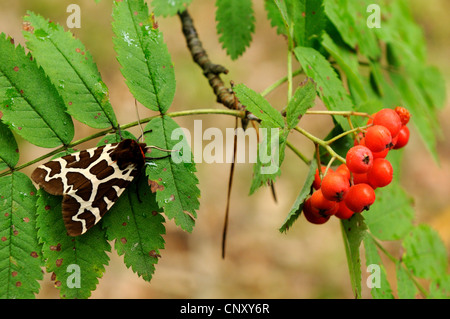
pixel 90 182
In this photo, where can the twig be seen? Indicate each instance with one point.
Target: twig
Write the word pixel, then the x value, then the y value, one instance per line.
pixel 210 70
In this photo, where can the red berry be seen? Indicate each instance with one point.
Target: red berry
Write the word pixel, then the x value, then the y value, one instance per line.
pixel 381 154
pixel 360 178
pixel 343 169
pixel 403 113
pixel 335 186
pixel 360 197
pixel 403 138
pixel 311 215
pixel 359 159
pixel 378 138
pixel 317 180
pixel 344 212
pixel 389 119
pixel 324 206
pixel 381 173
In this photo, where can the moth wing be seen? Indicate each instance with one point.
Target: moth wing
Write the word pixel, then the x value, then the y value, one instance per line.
pixel 51 175
pixel 85 207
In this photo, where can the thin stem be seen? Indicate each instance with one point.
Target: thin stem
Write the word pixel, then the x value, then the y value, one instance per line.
pixel 236 113
pixel 335 138
pixel 298 153
pixel 343 113
pixel 280 82
pixel 320 142
pixel 289 75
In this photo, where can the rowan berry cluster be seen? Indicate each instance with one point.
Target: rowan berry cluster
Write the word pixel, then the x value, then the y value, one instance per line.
pixel 349 189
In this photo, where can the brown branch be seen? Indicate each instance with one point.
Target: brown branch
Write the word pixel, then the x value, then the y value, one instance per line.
pixel 211 70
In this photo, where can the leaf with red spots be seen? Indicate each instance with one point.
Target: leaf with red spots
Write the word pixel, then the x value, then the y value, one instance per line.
pixel 136 225
pixel 20 252
pixel 62 252
pixel 9 152
pixel 179 194
pixel 72 71
pixel 29 103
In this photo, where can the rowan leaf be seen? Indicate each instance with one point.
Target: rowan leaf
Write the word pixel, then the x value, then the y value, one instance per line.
pixel 143 55
pixel 72 71
pixel 297 207
pixel 172 179
pixel 20 253
pixel 309 22
pixel 350 19
pixel 328 85
pixel 136 226
pixel 9 151
pixel 302 100
pixel 169 7
pixel 425 253
pixel 258 105
pixel 377 281
pixel 391 216
pixel 76 263
pixel 235 25
pixel 29 103
pixel 354 230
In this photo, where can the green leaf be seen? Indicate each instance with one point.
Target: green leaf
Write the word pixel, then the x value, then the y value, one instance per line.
pixel 329 86
pixel 425 253
pixel 350 19
pixel 380 287
pixel 297 207
pixel 274 15
pixel 309 22
pixel 145 59
pixel 72 71
pixel 348 61
pixel 423 117
pixel 354 230
pixel 391 216
pixel 406 289
pixel 76 263
pixel 135 225
pixel 258 105
pixel 20 252
pixel 271 151
pixel 29 102
pixel 235 25
pixel 173 179
pixel 169 7
pixel 302 100
pixel 9 151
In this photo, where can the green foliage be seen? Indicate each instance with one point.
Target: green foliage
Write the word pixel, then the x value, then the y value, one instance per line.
pixel 136 226
pixel 235 25
pixel 349 66
pixel 20 252
pixel 72 71
pixel 175 184
pixel 169 7
pixel 62 252
pixel 146 63
pixel 297 207
pixel 30 104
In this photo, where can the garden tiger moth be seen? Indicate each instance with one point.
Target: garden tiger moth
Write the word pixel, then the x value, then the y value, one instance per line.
pixel 91 180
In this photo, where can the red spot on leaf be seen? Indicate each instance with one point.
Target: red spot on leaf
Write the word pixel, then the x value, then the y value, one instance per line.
pixel 16 68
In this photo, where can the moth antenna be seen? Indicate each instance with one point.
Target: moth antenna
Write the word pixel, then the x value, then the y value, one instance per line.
pixel 161 149
pixel 139 119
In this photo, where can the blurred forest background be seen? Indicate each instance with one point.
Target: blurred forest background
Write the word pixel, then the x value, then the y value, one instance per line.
pixel 307 262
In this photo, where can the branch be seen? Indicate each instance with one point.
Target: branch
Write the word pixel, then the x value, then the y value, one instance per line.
pixel 211 71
